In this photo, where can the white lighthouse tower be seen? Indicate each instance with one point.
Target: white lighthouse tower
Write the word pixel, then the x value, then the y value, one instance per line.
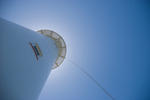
pixel 26 59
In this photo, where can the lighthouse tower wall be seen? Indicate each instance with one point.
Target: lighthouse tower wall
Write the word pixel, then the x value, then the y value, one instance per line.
pixel 26 59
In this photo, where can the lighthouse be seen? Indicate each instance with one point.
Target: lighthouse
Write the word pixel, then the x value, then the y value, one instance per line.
pixel 26 59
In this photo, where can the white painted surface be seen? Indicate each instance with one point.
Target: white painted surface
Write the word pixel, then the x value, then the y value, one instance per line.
pixel 21 75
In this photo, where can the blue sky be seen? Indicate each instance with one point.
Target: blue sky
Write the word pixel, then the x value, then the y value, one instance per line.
pixel 108 38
